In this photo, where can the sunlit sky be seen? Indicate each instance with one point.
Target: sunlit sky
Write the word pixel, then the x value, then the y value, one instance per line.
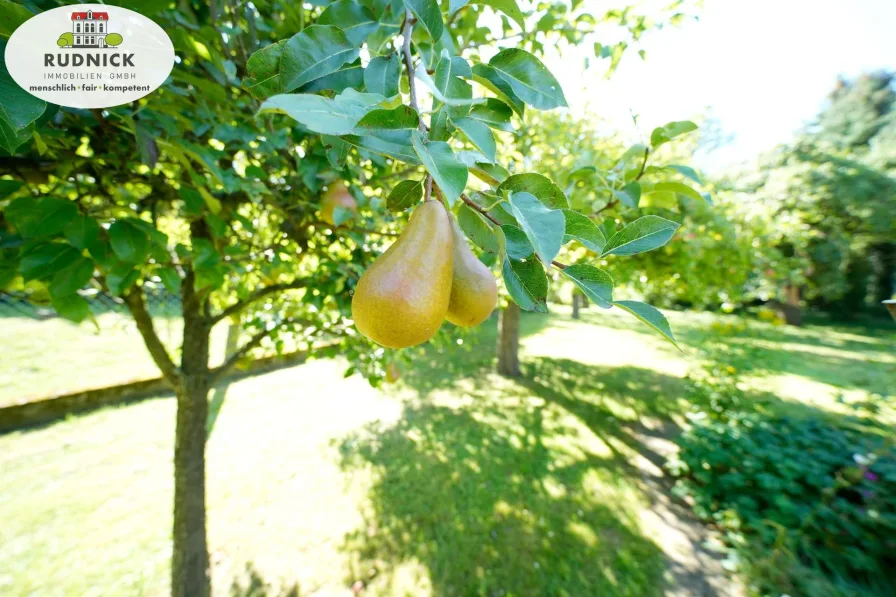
pixel 762 67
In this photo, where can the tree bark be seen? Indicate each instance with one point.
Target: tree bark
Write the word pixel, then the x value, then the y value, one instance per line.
pixel 509 341
pixel 576 303
pixel 793 313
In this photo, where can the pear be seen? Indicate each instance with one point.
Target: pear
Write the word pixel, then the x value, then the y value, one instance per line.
pixel 393 373
pixel 402 298
pixel 474 292
pixel 337 196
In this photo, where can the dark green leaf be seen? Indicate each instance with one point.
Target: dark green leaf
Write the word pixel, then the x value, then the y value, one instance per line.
pixel 542 187
pixel 664 134
pixel 382 74
pixel 337 150
pixel 530 80
pixel 526 284
pixel 479 135
pixel 264 71
pixel 629 195
pixel 651 316
pixel 494 113
pixel 544 227
pixel 595 283
pixel 493 174
pixel 644 234
pixel 391 149
pixel 402 117
pixel 72 307
pixel 429 15
pixel 170 279
pixel 12 15
pixel 516 243
pixel 313 53
pixel 491 80
pixel 9 186
pixel 121 278
pixel 477 229
pixel 356 21
pixel 72 278
pixel 350 76
pixel 404 195
pixel 441 163
pixel 687 172
pixel 18 108
pixel 45 216
pixel 584 230
pixel 130 243
pixel 44 260
pixel 193 201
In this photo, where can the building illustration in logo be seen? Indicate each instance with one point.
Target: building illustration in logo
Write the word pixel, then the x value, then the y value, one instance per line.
pixel 89 30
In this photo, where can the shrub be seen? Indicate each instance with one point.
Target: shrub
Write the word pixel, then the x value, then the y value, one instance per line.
pixel 808 507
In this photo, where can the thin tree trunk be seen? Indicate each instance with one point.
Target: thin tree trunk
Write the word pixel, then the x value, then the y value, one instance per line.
pixel 793 313
pixel 576 302
pixel 509 341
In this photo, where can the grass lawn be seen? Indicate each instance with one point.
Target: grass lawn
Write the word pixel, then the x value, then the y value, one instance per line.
pixel 453 482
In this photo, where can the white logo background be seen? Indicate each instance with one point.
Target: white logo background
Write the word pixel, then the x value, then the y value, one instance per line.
pixel 153 58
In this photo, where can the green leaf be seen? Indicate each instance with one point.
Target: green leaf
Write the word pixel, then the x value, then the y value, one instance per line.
pixel 337 116
pixel 356 21
pixel 530 80
pixel 629 195
pixel 508 7
pixel 441 163
pixel 541 186
pixel 491 80
pixel 454 96
pixel 313 53
pixel 402 117
pixel 679 188
pixel 644 234
pixel 82 232
pixel 404 195
pixel 687 172
pixel 45 216
pixel 493 113
pixel 651 316
pixel 526 284
pixel 544 227
pixel 516 243
pixel 429 15
pixel 391 149
pixel 382 75
pixel 595 283
pixel 493 174
pixel 9 186
pixel 44 260
pixel 12 15
pixel 479 135
pixel 264 71
pixel 72 307
pixel 477 229
pixel 130 243
pixel 350 76
pixel 121 278
pixel 72 278
pixel 664 134
pixel 584 230
pixel 18 108
pixel 170 279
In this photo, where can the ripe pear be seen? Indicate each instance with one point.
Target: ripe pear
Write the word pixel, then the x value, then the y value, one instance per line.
pixel 403 296
pixel 474 292
pixel 393 373
pixel 337 196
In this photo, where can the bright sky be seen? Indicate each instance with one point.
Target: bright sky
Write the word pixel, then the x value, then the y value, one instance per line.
pixel 763 68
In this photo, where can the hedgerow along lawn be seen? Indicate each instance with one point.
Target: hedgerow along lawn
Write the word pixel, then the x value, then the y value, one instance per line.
pixel 452 482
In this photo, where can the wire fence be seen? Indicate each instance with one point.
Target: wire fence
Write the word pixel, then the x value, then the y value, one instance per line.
pixel 160 303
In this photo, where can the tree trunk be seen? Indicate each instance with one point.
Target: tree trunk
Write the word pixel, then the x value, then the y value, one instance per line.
pixel 576 302
pixel 509 341
pixel 793 313
pixel 583 302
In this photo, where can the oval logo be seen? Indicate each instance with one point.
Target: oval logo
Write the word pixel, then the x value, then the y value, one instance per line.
pixel 89 56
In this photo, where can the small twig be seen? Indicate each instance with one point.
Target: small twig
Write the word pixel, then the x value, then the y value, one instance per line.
pixel 409 63
pixel 479 208
pixel 643 163
pixel 428 194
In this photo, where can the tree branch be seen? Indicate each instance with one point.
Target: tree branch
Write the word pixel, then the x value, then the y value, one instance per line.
pixel 136 303
pixel 409 63
pixel 256 296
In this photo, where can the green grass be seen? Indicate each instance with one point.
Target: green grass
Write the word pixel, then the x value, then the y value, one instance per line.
pixel 453 482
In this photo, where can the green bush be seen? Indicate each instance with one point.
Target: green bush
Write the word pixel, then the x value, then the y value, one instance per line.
pixel 808 507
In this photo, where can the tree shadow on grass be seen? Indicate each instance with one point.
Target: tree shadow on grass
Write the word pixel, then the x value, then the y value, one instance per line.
pixel 253 584
pixel 517 487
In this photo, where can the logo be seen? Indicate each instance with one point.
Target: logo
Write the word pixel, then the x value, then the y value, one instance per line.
pixel 89 56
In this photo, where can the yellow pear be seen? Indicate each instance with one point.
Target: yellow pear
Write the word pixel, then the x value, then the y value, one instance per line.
pixel 393 373
pixel 402 298
pixel 336 196
pixel 474 292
